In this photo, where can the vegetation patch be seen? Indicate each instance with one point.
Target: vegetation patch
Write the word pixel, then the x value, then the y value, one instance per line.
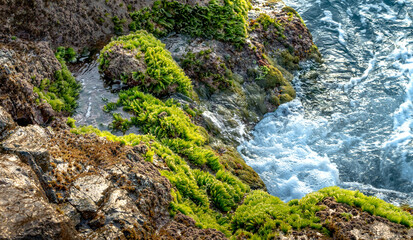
pixel 222 21
pixel 61 93
pixel 118 25
pixel 262 215
pixel 210 71
pixel 197 192
pixel 157 73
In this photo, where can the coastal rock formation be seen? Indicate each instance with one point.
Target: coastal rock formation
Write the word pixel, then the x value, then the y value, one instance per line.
pixel 184 179
pixel 70 186
pixel 23 65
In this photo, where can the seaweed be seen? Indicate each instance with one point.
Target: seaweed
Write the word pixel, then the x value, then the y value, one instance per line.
pixel 226 22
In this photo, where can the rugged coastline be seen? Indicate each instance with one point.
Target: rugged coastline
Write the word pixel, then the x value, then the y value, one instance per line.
pixel 184 178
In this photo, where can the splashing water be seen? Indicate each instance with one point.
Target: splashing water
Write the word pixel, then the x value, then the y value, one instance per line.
pixel 352 122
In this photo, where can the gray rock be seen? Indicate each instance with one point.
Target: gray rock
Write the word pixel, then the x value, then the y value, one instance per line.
pixel 71 212
pixel 25 212
pixel 87 193
pixel 120 206
pixel 6 123
pixel 28 142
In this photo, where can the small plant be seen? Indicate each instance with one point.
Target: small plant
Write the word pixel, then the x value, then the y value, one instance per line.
pixel 71 122
pixel 118 25
pixel 347 216
pixel 67 54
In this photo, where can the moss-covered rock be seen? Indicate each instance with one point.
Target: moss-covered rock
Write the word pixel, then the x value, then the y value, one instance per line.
pixel 222 21
pixel 139 59
pixel 61 93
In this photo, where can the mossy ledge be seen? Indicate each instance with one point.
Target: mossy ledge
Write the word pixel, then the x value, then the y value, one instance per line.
pixel 62 91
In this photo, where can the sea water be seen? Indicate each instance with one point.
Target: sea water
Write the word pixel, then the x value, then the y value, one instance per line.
pixel 352 122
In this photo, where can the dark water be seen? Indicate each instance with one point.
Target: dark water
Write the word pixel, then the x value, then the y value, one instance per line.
pixel 352 124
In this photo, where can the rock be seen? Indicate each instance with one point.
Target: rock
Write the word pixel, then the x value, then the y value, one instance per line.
pixel 28 143
pixel 122 62
pixel 360 224
pixel 183 227
pixel 87 193
pixel 109 191
pixel 23 65
pixel 71 212
pixel 25 212
pixel 6 123
pixel 120 207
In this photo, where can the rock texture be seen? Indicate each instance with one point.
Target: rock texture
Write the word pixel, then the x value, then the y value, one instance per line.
pixel 56 185
pixel 345 222
pixel 24 208
pixel 78 23
pixel 23 65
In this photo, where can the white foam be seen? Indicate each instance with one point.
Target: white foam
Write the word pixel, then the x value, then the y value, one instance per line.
pixel 281 155
pixel 401 139
pixel 328 18
pixel 341 35
pixel 356 80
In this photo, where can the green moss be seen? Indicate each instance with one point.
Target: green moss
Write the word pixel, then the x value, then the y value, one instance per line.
pixel 270 77
pixel 233 161
pixel 161 119
pixel 67 54
pixel 225 22
pixel 162 74
pixel 292 11
pixel 208 71
pixel 118 25
pixel 263 214
pixel 265 23
pixel 61 94
pixel 71 122
pixel 289 61
pixel 371 205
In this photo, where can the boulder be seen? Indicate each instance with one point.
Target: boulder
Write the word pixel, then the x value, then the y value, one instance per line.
pixel 25 212
pixel 29 144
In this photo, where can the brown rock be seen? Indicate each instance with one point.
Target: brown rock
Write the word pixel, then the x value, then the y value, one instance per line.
pixel 25 211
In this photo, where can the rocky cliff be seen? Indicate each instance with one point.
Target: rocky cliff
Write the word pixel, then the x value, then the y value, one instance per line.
pixel 196 77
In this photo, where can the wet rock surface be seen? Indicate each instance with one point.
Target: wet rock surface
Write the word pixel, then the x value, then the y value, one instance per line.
pixel 6 123
pixel 79 23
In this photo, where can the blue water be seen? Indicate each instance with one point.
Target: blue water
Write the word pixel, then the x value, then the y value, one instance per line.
pixel 352 122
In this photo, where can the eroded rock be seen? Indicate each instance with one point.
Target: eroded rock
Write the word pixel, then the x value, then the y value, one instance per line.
pixel 29 143
pixel 6 123
pixel 346 222
pixel 25 212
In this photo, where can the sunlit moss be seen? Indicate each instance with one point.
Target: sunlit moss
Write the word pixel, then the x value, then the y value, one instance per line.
pixel 219 21
pixel 61 93
pixel 161 72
